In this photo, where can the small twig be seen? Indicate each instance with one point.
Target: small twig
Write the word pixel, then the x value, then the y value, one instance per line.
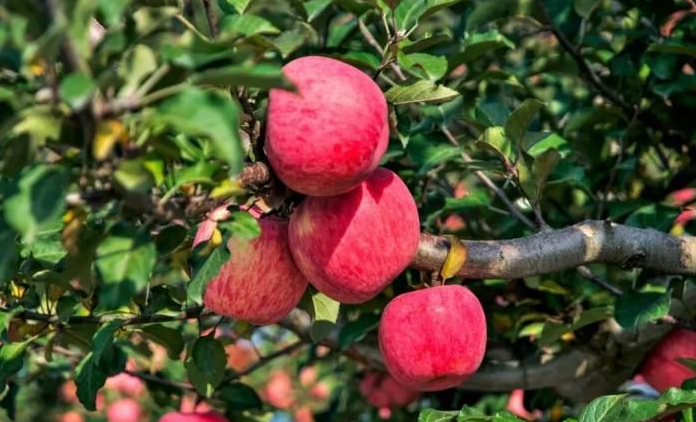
pixel 136 320
pixel 585 272
pixel 266 359
pixel 158 380
pixel 212 17
pixel 492 186
pixel 190 26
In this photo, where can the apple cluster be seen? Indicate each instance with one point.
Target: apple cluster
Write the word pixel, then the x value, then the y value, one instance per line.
pixel 357 230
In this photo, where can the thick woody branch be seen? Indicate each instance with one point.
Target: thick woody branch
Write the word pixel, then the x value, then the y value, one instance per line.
pixel 557 250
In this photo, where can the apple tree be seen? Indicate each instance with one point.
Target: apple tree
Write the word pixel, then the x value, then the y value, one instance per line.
pixel 347 210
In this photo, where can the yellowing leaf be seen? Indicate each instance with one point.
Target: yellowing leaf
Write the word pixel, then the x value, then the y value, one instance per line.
pixel 226 189
pixel 456 257
pixel 109 132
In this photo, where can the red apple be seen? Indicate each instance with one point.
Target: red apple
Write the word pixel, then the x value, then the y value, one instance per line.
pixel 660 369
pixel 304 414
pixel 71 416
pixel 682 196
pixel 278 390
pixel 351 246
pixel 240 355
pixel 382 390
pixel 260 283
pixel 68 391
pixel 434 338
pixel 320 391
pixel 124 410
pixel 330 135
pixel 193 417
pixel 308 376
pixel 515 405
pixel 126 384
pixel 384 413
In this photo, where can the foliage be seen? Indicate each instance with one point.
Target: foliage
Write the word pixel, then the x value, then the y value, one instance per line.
pixel 119 138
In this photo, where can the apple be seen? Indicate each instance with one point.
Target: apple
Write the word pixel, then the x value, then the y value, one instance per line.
pixel 382 390
pixel 320 391
pixel 71 416
pixel 68 391
pixel 661 369
pixel 328 136
pixel 682 196
pixel 260 283
pixel 124 410
pixel 304 414
pixel 515 405
pixel 351 246
pixel 433 339
pixel 308 376
pixel 240 355
pixel 278 390
pixel 193 417
pixel 126 384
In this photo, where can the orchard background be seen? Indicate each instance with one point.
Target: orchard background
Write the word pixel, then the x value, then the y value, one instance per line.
pixel 129 127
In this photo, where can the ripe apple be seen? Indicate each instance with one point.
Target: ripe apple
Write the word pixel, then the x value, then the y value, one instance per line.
pixel 71 416
pixel 351 246
pixel 126 384
pixel 68 392
pixel 240 355
pixel 515 405
pixel 660 369
pixel 330 135
pixel 260 283
pixel 382 390
pixel 433 339
pixel 124 410
pixel 304 414
pixel 278 390
pixel 193 417
pixel 308 376
pixel 320 391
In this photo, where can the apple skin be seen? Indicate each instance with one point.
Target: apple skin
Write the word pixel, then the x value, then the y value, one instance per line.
pixel 515 405
pixel 382 390
pixel 71 416
pixel 433 339
pixel 260 283
pixel 193 417
pixel 328 137
pixel 240 355
pixel 660 369
pixel 278 391
pixel 126 384
pixel 351 246
pixel 124 410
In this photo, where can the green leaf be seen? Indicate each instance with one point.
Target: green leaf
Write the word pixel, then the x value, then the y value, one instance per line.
pixel 681 48
pixel 432 415
pixel 506 417
pixel 551 332
pixel 206 364
pixel 635 308
pixel 478 44
pixel 427 152
pixel 197 112
pixel 135 66
pixel 654 216
pixel 240 397
pixel 584 8
pixel 76 89
pixel 355 331
pixel 133 176
pixel 689 363
pixel 89 379
pixel 231 6
pixel 325 314
pixel 591 316
pixel 210 268
pixel 494 139
pixel 11 359
pixel 103 340
pixel 314 8
pixel 246 25
pixel 407 13
pixel 170 238
pixel 37 200
pixel 170 338
pixel 489 11
pixel 419 92
pixel 423 65
pixel 520 119
pixel 475 199
pixel 533 183
pixel 47 246
pixel 244 225
pixel 258 76
pixel 125 260
pixel 201 172
pixel 10 252
pixel 471 414
pixel 602 409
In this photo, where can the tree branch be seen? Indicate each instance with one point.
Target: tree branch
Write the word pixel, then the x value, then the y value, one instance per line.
pixel 558 250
